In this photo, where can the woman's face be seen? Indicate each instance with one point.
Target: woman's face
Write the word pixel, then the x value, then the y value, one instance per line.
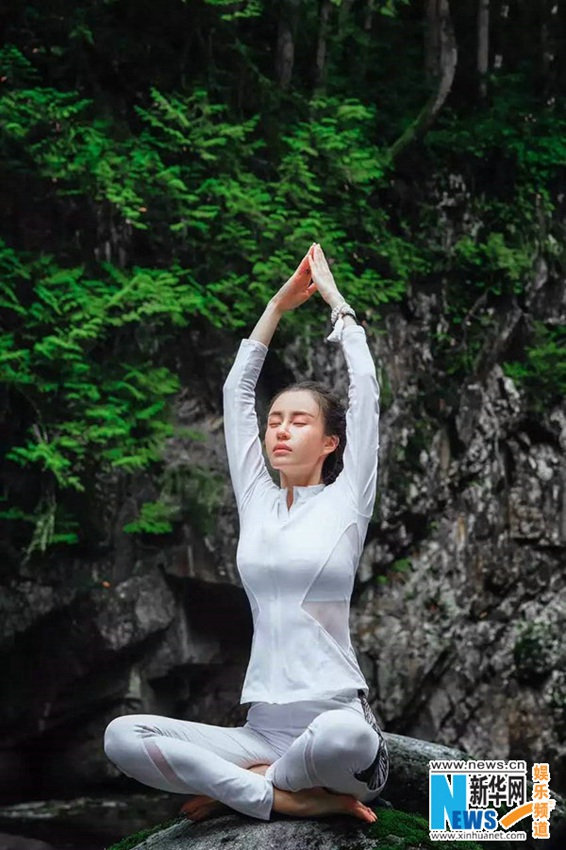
pixel 295 420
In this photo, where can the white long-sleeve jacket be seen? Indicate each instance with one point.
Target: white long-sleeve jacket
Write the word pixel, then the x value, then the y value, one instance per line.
pixel 298 566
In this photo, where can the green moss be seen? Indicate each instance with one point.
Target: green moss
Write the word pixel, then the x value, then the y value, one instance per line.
pixel 393 824
pixel 412 829
pixel 133 840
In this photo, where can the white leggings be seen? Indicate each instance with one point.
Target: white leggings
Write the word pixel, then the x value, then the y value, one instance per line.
pixel 307 744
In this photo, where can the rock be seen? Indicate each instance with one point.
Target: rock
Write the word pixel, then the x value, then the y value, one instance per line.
pixel 71 648
pixel 105 817
pixel 243 833
pixel 407 785
pixel 138 607
pixel 20 842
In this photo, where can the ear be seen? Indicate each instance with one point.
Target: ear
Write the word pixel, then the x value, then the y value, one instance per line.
pixel 333 442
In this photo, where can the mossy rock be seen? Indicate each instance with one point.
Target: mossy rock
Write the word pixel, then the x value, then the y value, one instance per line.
pixel 394 830
pixel 137 838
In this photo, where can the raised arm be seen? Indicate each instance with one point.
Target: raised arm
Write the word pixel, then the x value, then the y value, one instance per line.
pixel 362 417
pixel 241 430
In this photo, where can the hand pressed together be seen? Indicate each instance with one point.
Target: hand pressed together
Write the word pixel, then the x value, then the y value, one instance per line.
pixel 321 274
pixel 313 274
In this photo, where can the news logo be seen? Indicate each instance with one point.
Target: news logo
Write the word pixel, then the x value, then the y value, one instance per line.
pixel 464 798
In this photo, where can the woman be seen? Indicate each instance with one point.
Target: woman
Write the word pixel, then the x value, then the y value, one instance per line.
pixel 310 744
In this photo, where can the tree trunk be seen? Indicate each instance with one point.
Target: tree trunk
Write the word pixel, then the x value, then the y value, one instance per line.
pixel 483 44
pixel 344 13
pixel 368 21
pixel 368 16
pixel 432 38
pixel 285 54
pixel 549 46
pixel 444 65
pixel 321 46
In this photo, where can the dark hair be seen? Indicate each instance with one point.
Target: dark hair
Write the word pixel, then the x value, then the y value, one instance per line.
pixel 334 418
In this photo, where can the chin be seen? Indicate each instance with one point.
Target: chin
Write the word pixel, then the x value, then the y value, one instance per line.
pixel 276 464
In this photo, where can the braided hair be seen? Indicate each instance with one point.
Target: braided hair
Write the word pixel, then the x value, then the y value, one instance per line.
pixel 334 416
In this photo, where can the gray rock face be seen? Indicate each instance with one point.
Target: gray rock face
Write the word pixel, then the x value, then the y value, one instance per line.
pixel 332 833
pixel 59 668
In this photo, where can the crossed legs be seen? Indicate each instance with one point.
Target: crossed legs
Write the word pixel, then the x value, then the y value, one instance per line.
pixel 315 775
pixel 186 757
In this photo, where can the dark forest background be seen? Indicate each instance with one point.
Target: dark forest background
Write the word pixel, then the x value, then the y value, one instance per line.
pixel 165 165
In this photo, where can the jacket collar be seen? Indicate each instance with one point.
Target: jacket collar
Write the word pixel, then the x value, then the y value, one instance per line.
pixel 301 493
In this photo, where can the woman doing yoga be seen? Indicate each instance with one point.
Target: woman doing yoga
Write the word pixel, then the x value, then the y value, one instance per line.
pixel 311 744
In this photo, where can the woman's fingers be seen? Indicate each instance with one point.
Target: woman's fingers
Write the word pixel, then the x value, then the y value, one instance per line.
pixel 304 265
pixel 317 257
pixel 308 265
pixel 319 262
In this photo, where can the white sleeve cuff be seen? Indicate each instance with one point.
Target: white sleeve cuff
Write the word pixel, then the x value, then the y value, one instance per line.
pixel 341 328
pixel 336 334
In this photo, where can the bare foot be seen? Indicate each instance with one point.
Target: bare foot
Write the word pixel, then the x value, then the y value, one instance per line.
pixel 303 803
pixel 200 807
pixel 318 801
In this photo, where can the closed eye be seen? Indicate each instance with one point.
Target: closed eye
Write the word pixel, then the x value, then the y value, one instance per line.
pixel 276 424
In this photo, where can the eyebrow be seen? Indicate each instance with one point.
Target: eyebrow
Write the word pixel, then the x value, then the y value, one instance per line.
pixel 294 413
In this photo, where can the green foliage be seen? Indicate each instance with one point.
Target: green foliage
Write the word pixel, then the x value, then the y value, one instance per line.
pixel 517 127
pixel 151 188
pixel 493 265
pixel 154 518
pixel 185 491
pixel 248 9
pixel 396 569
pixel 391 8
pixel 184 177
pixel 50 521
pixel 542 373
pixel 56 360
pixel 510 154
pixel 16 68
pixel 89 408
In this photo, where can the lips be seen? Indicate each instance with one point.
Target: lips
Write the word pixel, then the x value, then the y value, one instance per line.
pixel 281 449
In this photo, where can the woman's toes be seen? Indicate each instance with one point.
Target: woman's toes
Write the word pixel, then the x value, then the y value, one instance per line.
pixel 193 803
pixel 360 810
pixel 200 806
